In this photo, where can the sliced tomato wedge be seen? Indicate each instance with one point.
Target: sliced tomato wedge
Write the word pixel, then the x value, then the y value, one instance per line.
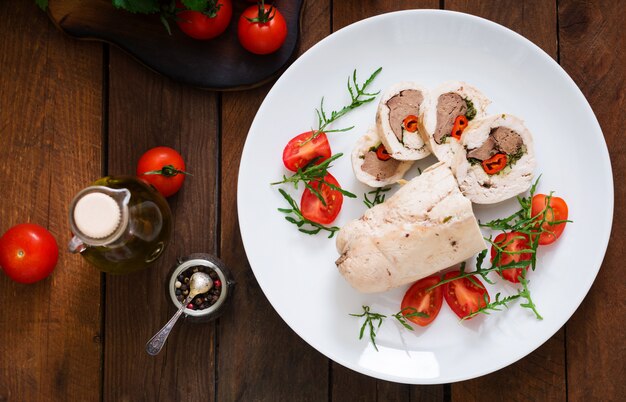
pixel 299 151
pixel 463 296
pixel 557 211
pixel 312 207
pixel 423 300
pixel 512 242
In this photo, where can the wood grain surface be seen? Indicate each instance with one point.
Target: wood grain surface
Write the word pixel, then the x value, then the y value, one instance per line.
pixel 73 111
pixel 50 90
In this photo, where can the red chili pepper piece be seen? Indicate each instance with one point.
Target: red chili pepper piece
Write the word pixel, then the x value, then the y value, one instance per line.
pixel 382 154
pixel 495 164
pixel 410 123
pixel 459 125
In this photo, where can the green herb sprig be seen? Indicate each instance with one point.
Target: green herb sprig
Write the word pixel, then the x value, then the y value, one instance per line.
pixel 358 97
pixel 300 221
pixel 371 318
pixel 378 196
pixel 313 173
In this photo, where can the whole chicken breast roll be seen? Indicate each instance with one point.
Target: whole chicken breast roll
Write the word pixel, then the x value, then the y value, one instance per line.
pixel 446 113
pixel 427 226
pixel 373 165
pixel 497 160
pixel 397 121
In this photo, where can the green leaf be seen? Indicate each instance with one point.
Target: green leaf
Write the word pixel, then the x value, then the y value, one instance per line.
pixel 43 4
pixel 196 5
pixel 138 6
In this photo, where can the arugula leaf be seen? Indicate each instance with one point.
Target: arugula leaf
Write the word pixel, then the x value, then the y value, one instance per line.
pixel 43 4
pixel 138 6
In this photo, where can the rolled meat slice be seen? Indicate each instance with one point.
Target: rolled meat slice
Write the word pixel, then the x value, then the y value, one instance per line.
pixel 372 164
pixel 497 159
pixel 427 226
pixel 397 123
pixel 446 114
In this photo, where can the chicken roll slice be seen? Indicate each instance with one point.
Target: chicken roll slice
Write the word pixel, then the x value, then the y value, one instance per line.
pixel 446 115
pixel 373 165
pixel 497 160
pixel 427 226
pixel 397 121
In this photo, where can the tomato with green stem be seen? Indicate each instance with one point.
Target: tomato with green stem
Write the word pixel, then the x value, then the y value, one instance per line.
pixel 549 210
pixel 28 253
pixel 304 148
pixel 206 23
pixel 512 245
pixel 262 29
pixel 316 210
pixel 418 298
pixel 464 295
pixel 164 169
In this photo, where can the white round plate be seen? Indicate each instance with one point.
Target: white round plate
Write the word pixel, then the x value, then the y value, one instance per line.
pixel 297 272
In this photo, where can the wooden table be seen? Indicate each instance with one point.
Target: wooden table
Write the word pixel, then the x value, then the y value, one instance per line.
pixel 74 111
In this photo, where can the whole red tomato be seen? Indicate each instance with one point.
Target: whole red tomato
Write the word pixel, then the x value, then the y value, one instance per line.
pixel 262 29
pixel 28 253
pixel 208 24
pixel 164 168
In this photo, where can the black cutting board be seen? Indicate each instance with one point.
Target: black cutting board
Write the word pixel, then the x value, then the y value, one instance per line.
pixel 219 64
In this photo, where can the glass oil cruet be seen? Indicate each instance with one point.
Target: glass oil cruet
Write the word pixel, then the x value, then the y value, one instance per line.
pixel 120 224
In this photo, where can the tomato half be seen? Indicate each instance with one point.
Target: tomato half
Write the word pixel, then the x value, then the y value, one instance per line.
pixel 163 168
pixel 200 26
pixel 423 300
pixel 511 242
pixel 262 30
pixel 312 207
pixel 463 296
pixel 296 155
pixel 557 211
pixel 28 253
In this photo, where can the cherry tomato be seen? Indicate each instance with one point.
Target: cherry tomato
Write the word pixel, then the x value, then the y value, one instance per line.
pixel 463 296
pixel 511 242
pixel 423 300
pixel 313 209
pixel 28 253
pixel 382 154
pixel 410 123
pixel 164 168
pixel 200 26
pixel 494 164
pixel 296 155
pixel 556 211
pixel 262 29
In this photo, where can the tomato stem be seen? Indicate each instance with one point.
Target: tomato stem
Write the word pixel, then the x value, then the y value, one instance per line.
pixel 168 171
pixel 263 17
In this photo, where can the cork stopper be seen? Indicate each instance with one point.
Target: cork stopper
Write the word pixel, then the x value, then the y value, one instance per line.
pixel 97 215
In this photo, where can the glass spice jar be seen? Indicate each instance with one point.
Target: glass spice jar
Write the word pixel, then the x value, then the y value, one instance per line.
pixel 206 306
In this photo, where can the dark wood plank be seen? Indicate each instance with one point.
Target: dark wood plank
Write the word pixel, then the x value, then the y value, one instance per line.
pixel 147 110
pixel 50 90
pixel 347 384
pixel 541 375
pixel 593 52
pixel 221 63
pixel 260 357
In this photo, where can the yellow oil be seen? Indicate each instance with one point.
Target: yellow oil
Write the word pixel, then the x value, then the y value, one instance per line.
pixel 147 235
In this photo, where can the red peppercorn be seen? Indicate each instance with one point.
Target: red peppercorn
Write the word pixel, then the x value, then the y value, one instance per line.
pixel 190 306
pixel 217 283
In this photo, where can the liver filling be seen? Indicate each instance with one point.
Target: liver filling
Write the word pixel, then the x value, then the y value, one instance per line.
pixel 449 106
pixel 377 168
pixel 500 140
pixel 400 106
